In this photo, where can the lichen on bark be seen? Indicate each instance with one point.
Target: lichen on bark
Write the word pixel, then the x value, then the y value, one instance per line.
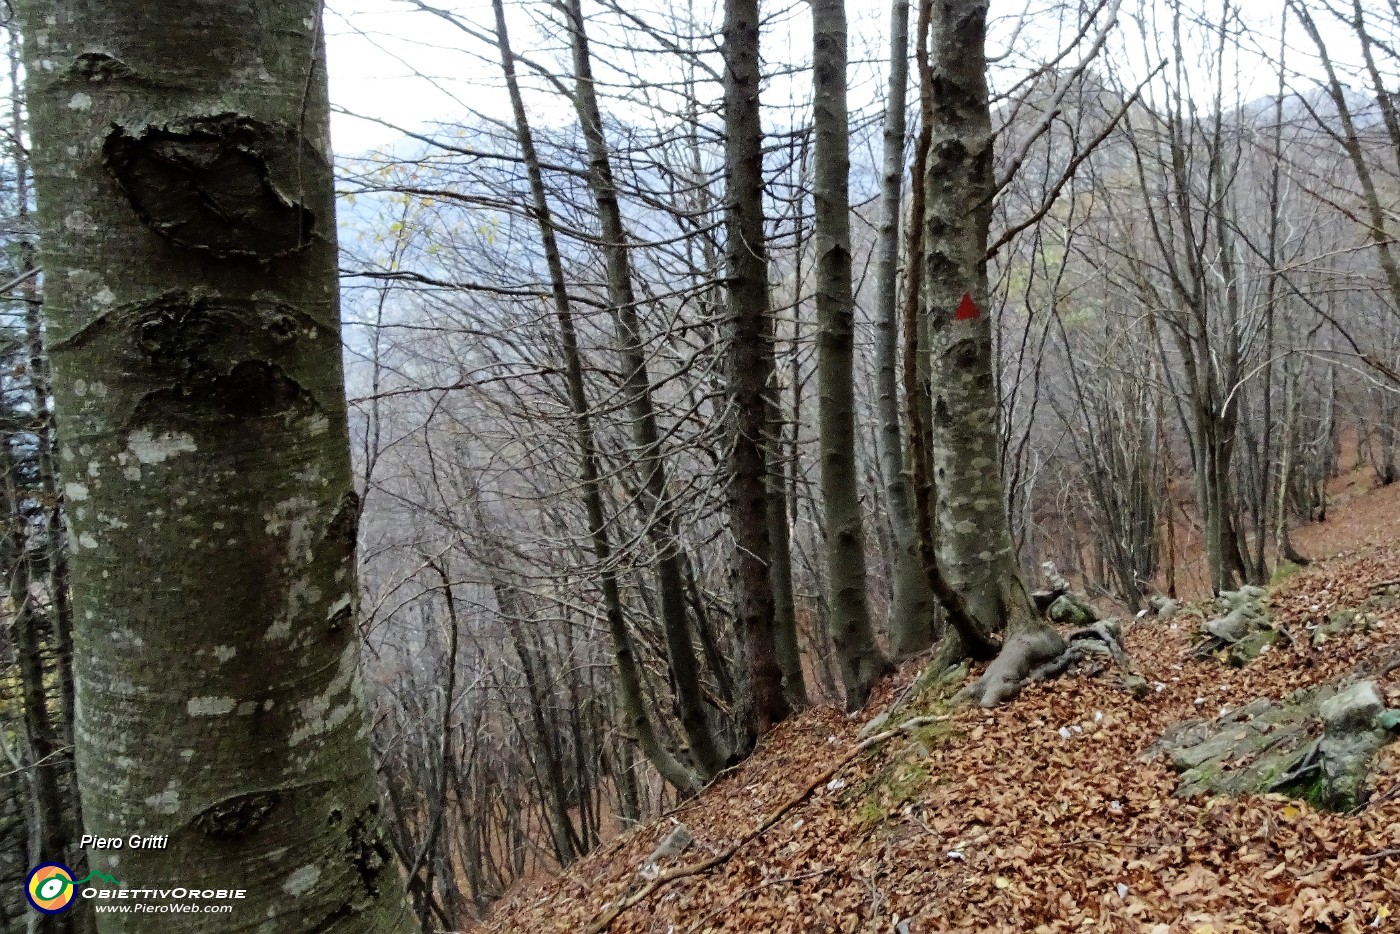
pixel 188 243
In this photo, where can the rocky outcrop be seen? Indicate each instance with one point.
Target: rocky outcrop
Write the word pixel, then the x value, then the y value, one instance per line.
pixel 1243 631
pixel 1060 604
pixel 1317 744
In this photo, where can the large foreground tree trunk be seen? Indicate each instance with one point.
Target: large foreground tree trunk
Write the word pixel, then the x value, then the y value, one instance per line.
pixel 851 631
pixel 189 248
pixel 975 544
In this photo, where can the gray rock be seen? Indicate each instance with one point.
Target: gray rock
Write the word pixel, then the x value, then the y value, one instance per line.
pixel 1269 746
pixel 1352 735
pixel 1244 629
pixel 1229 628
pixel 1355 708
pixel 874 725
pixel 1251 646
pixel 1069 610
pixel 676 843
pixel 1164 607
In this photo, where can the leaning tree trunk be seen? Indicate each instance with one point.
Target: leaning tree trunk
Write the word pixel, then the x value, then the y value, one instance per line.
pixel 182 161
pixel 975 544
pixel 55 783
pixel 750 367
pixel 50 831
pixel 630 699
pixel 653 495
pixel 785 640
pixel 851 631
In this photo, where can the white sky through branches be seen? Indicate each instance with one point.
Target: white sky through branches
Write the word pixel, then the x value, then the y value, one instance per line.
pixel 404 67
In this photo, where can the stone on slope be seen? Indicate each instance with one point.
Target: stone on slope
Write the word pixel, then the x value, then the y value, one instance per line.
pixel 1243 631
pixel 1317 744
pixel 1352 735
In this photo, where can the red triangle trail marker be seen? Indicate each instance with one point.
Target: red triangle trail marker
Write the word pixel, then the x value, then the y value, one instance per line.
pixel 967 309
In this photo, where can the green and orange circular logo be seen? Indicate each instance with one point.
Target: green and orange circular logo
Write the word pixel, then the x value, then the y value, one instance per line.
pixel 50 888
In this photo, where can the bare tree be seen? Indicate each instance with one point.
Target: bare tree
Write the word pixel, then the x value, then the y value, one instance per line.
pixel 750 367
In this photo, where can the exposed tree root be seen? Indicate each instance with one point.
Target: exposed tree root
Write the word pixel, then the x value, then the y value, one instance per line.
pixel 626 902
pixel 1040 653
pixel 1023 653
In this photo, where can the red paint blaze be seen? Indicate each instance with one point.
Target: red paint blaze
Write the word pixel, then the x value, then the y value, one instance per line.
pixel 967 309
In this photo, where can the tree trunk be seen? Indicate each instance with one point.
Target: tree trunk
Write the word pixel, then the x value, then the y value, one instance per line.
pixel 750 368
pixel 861 659
pixel 56 804
pixel 780 491
pixel 553 788
pixel 975 542
pixel 654 498
pixel 780 570
pixel 1350 140
pixel 49 832
pixel 188 240
pixel 911 616
pixel 631 701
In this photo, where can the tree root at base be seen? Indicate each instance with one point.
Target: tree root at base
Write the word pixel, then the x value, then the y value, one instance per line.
pixel 1041 653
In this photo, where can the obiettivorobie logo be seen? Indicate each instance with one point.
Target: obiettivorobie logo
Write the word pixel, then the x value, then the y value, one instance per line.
pixel 51 887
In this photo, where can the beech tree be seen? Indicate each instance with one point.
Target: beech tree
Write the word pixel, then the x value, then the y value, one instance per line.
pixel 976 552
pixel 750 366
pixel 188 239
pixel 911 613
pixel 678 773
pixel 622 435
pixel 706 747
pixel 860 656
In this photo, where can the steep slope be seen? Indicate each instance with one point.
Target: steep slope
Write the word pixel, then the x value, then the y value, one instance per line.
pixel 1037 816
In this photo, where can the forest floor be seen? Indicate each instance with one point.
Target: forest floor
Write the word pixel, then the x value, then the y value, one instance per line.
pixel 1037 816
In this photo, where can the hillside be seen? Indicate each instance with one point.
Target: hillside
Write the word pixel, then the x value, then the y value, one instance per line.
pixel 1037 816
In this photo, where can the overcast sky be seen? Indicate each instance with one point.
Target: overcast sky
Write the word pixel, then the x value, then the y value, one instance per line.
pixel 390 61
pixel 397 64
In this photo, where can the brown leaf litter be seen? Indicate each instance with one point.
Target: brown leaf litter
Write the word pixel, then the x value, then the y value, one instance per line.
pixel 1037 816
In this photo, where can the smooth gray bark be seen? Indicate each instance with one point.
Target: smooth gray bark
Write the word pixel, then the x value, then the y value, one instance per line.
pixel 911 616
pixel 975 544
pixel 974 539
pixel 862 661
pixel 182 162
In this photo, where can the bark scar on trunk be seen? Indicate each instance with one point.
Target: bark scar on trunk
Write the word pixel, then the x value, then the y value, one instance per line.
pixel 99 67
pixel 368 850
pixel 342 531
pixel 218 184
pixel 236 816
pixel 250 389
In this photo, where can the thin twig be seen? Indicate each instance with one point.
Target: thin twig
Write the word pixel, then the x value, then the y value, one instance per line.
pixel 42 762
